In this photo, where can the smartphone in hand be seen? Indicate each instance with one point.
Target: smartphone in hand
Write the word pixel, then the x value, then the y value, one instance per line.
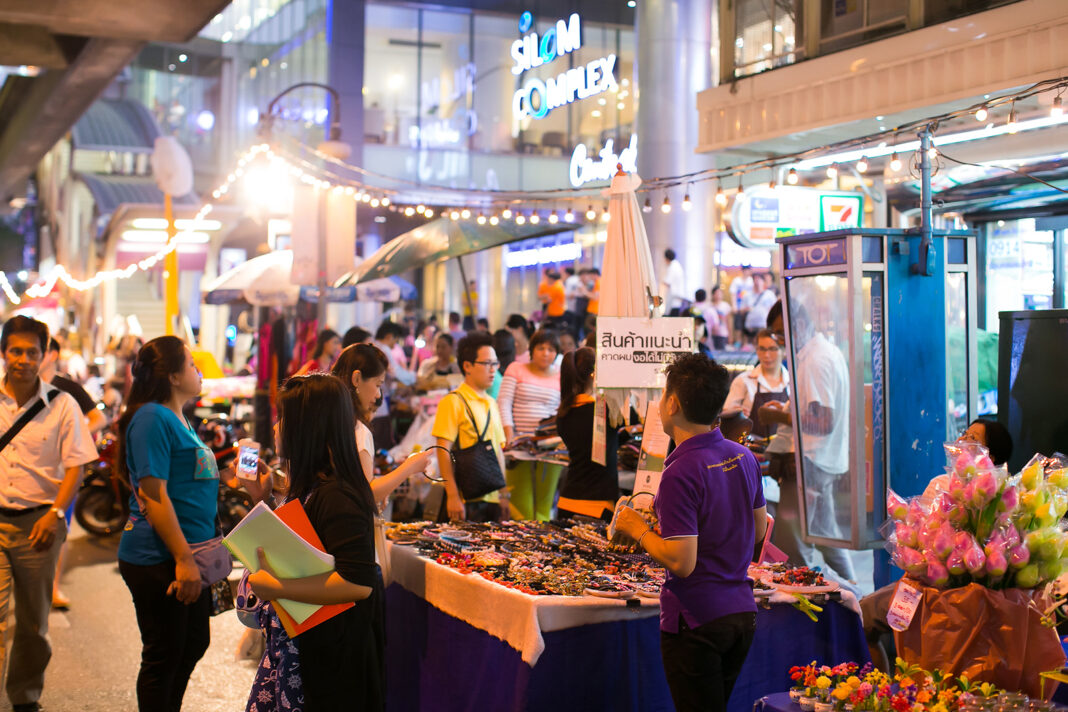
pixel 248 459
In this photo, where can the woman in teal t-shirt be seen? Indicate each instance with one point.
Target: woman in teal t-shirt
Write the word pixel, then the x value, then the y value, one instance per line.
pixel 176 483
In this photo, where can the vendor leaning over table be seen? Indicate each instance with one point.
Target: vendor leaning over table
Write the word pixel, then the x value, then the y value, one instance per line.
pixel 453 426
pixel 711 511
pixel 434 372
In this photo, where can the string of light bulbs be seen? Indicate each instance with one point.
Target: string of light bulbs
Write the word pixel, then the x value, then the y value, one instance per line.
pixel 565 204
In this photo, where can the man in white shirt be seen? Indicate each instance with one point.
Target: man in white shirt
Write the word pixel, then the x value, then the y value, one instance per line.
pixel 388 335
pixel 40 469
pixel 759 303
pixel 673 286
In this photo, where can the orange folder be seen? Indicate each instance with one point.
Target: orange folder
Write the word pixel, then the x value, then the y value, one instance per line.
pixel 293 515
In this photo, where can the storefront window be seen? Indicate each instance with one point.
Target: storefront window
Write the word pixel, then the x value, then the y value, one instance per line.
pixel 957 356
pixel 1019 268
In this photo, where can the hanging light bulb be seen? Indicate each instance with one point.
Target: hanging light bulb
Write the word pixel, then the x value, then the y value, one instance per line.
pixel 366 197
pixel 981 113
pixel 454 215
pixel 791 176
pixel 721 197
pixel 554 218
pixel 1058 109
pixel 832 171
pixel 535 218
pixel 506 213
pixel 385 201
pixel 741 189
pixel 605 215
pixel 465 213
pixel 481 219
pixel 771 184
pixel 687 204
pixel 569 216
pixel 409 211
pixel 591 214
pixel 665 207
pixel 932 153
pixel 420 208
pixel 1012 119
pixel 862 164
pixel 648 207
pixel 374 202
pixel 895 162
pixel 520 219
pixel 428 213
pixel 494 220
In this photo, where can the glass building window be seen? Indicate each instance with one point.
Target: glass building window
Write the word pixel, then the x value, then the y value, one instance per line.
pixel 766 35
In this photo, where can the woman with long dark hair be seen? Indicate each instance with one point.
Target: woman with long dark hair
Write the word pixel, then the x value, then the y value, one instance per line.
pixel 363 367
pixel 327 347
pixel 590 489
pixel 174 505
pixel 340 659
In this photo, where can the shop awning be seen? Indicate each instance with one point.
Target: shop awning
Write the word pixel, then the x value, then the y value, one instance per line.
pixel 439 240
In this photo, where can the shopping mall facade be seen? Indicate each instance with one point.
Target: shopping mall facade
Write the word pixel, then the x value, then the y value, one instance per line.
pixel 479 96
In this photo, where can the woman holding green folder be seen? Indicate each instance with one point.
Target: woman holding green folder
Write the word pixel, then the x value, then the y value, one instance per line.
pixel 340 660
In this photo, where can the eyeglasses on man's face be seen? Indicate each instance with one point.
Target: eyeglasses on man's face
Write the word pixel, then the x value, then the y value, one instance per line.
pixel 489 364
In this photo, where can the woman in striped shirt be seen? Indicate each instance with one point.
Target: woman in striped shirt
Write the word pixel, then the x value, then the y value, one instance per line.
pixel 530 392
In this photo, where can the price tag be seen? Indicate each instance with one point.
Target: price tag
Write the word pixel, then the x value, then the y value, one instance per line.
pixel 903 607
pixel 600 432
pixel 655 444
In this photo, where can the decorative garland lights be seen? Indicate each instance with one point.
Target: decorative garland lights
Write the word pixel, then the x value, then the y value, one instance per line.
pixel 409 198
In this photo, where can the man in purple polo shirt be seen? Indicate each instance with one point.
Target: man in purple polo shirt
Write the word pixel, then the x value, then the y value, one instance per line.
pixel 711 511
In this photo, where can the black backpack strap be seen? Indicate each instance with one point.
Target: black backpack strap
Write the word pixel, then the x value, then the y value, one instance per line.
pixel 26 417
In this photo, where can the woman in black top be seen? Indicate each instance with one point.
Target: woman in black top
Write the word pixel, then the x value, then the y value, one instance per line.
pixel 590 489
pixel 341 659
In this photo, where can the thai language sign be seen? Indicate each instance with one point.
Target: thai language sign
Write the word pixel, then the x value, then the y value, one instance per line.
pixel 632 351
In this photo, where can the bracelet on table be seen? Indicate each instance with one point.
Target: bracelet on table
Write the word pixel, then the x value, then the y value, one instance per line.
pixel 643 536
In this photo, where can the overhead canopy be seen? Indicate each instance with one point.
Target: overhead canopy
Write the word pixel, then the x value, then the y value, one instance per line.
pixel 439 240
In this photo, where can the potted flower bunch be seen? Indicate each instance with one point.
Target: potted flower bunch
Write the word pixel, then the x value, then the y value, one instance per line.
pixel 980 545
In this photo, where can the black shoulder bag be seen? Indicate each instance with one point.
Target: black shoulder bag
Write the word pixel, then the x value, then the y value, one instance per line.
pixel 476 469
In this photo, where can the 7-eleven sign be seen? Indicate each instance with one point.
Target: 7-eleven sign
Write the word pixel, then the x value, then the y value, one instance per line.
pixel 838 212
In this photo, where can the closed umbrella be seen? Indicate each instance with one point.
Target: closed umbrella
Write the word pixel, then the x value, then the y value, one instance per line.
pixel 264 281
pixel 627 282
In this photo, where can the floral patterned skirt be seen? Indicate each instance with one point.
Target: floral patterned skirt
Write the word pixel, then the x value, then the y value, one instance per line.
pixel 278 684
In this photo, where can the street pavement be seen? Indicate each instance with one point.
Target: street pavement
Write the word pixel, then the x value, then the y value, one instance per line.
pixel 96 646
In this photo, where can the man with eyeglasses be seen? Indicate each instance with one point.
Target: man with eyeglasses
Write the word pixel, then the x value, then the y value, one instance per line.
pixel 460 420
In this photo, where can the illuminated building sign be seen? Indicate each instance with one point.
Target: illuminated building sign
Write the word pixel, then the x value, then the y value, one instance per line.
pixel 585 169
pixel 550 254
pixel 537 97
pixel 762 213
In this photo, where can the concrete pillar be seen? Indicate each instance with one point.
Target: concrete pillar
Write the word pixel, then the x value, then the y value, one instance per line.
pixel 345 20
pixel 676 48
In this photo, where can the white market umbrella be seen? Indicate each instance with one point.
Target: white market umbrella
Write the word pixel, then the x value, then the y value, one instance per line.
pixel 627 280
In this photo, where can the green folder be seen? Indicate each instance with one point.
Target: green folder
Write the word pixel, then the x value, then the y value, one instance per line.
pixel 287 553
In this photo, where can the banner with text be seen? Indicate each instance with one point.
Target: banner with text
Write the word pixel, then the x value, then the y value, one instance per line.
pixel 632 351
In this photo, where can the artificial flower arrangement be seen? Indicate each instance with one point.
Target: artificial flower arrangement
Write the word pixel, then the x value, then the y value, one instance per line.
pixel 848 687
pixel 982 525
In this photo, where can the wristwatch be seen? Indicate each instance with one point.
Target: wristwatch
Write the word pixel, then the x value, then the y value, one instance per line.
pixel 58 512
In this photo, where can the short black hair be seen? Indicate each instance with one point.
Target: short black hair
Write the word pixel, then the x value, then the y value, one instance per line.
pixel 774 314
pixel 483 321
pixel 53 345
pixel 20 324
pixel 544 336
pixel 355 335
pixel 518 321
pixel 387 328
pixel 569 271
pixel 454 317
pixel 669 253
pixel 701 386
pixel 998 440
pixel 447 337
pixel 469 346
pixel 700 295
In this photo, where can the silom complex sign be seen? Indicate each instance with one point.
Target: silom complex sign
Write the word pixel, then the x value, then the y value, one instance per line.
pixel 537 97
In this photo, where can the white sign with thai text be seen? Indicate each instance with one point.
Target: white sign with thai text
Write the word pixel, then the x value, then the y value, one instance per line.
pixel 632 351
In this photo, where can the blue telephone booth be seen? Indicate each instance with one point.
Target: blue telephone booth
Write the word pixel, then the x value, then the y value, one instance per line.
pixel 883 366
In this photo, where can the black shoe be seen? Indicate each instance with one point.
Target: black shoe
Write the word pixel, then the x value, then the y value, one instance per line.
pixel 27 707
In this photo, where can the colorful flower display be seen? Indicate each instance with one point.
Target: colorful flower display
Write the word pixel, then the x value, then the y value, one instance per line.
pixel 978 524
